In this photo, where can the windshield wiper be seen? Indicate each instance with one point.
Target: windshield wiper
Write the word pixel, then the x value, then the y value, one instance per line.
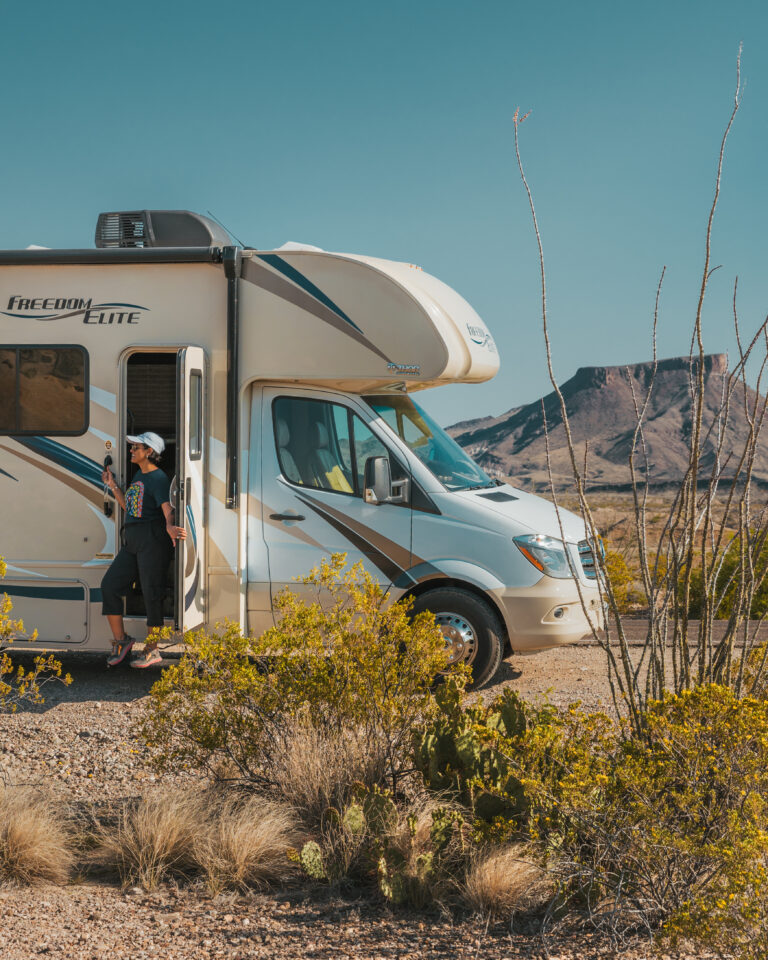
pixel 484 486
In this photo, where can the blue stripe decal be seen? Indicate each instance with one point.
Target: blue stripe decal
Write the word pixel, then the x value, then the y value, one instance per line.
pixel 6 474
pixel 191 518
pixel 45 593
pixel 298 278
pixel 52 593
pixel 76 463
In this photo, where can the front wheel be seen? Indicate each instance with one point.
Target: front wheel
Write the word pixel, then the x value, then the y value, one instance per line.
pixel 472 630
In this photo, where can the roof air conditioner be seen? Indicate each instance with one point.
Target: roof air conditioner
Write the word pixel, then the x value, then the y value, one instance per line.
pixel 159 228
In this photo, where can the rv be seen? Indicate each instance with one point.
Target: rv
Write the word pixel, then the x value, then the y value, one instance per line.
pixel 284 385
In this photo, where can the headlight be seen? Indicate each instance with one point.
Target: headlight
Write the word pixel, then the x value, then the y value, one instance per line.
pixel 546 554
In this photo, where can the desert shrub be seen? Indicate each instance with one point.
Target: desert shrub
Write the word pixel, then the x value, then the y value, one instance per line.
pixel 506 880
pixel 350 661
pixel 738 572
pixel 36 845
pixel 413 852
pixel 668 830
pixel 661 832
pixel 154 838
pixel 244 842
pixel 18 685
pixel 494 756
pixel 622 580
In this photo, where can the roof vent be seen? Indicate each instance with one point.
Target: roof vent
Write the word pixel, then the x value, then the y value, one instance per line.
pixel 159 228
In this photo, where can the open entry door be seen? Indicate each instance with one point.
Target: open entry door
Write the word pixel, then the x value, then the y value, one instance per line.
pixel 189 498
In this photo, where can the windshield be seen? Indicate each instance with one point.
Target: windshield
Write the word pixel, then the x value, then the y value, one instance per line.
pixel 431 444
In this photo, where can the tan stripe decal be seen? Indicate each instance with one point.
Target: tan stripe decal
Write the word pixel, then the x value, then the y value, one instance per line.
pixel 84 489
pixel 394 551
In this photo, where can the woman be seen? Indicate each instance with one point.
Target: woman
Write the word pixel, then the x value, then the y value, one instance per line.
pixel 148 542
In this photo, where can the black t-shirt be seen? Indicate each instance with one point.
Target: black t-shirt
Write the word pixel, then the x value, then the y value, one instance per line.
pixel 144 496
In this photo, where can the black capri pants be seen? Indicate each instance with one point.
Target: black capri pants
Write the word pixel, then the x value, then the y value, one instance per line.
pixel 145 555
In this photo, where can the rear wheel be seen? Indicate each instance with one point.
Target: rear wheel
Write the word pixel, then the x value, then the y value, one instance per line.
pixel 472 630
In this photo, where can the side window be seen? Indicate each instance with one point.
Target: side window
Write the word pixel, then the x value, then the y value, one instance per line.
pixel 341 425
pixel 366 444
pixel 195 429
pixel 313 444
pixel 43 390
pixel 324 445
pixel 7 390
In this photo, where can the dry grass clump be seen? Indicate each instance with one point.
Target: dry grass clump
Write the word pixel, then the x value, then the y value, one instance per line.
pixel 35 844
pixel 245 843
pixel 234 841
pixel 504 881
pixel 319 769
pixel 154 838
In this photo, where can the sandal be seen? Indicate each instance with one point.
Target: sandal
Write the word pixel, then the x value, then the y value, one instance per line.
pixel 120 650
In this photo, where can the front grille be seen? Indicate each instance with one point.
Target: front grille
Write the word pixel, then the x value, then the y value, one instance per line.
pixel 587 557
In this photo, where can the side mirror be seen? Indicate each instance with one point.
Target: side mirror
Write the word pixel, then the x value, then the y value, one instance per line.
pixel 378 486
pixel 377 481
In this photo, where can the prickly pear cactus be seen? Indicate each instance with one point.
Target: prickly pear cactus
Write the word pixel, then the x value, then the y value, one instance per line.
pixel 311 860
pixel 378 809
pixel 460 752
pixel 391 881
pixel 444 824
pixel 508 715
pixel 354 819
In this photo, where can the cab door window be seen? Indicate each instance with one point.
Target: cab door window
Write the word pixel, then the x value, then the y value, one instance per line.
pixel 314 446
pixel 324 445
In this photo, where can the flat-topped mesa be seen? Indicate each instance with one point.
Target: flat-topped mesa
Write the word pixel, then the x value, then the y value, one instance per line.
pixel 714 364
pixel 602 405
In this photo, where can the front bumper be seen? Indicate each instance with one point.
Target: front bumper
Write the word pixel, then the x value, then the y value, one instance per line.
pixel 550 613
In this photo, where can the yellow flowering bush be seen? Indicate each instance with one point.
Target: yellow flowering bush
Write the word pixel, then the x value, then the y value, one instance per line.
pixel 18 685
pixel 622 580
pixel 504 758
pixel 664 833
pixel 349 661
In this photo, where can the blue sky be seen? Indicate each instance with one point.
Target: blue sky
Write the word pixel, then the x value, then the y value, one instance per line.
pixel 386 129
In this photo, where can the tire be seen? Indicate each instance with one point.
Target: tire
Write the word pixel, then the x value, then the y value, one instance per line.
pixel 476 629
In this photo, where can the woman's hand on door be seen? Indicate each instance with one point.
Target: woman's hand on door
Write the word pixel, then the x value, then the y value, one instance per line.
pixel 175 533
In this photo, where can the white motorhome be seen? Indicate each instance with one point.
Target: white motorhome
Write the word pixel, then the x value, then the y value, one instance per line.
pixel 283 383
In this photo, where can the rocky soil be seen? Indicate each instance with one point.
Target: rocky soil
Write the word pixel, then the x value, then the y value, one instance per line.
pixel 82 744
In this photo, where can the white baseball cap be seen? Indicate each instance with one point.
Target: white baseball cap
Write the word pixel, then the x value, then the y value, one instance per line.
pixel 149 439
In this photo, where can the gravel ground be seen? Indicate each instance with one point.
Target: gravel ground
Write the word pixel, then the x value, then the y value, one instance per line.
pixel 82 745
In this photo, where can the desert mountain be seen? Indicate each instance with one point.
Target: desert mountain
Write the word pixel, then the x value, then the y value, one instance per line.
pixel 601 409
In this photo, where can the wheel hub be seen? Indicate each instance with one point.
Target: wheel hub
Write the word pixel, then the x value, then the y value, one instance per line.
pixel 460 638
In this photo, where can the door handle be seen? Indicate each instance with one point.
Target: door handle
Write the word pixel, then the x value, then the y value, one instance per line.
pixel 287 516
pixel 107 504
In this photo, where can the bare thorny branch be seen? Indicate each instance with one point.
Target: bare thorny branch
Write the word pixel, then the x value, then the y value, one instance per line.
pixel 711 520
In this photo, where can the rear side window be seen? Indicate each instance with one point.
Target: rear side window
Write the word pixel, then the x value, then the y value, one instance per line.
pixel 43 390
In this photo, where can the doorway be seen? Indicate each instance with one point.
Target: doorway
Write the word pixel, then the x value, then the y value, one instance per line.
pixel 151 393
